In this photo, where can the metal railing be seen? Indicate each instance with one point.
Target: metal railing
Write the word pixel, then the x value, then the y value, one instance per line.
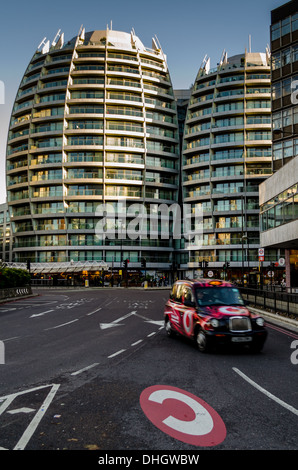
pixel 277 301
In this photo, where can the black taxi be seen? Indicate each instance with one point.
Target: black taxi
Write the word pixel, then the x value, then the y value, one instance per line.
pixel 212 312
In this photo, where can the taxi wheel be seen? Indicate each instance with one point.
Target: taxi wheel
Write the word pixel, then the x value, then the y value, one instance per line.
pixel 168 328
pixel 202 341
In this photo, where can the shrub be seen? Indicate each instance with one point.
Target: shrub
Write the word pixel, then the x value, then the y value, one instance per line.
pixel 13 277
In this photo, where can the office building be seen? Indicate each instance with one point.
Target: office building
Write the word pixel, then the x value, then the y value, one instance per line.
pixel 279 194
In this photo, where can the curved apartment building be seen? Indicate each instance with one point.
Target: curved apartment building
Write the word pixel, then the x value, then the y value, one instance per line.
pixel 226 155
pixel 94 123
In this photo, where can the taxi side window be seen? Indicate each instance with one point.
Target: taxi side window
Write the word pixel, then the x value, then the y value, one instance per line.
pixel 187 294
pixel 173 293
pixel 179 293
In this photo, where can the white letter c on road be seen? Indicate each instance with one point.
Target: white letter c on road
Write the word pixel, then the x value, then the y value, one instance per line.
pixel 203 422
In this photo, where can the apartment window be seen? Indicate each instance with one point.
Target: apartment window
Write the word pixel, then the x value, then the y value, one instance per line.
pixel 275 31
pixel 285 26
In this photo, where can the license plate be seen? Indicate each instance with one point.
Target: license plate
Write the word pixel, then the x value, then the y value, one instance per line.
pixel 241 339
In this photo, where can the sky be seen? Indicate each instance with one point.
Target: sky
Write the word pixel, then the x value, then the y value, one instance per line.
pixel 187 31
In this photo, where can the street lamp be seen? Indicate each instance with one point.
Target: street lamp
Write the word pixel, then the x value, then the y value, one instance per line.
pixel 278 130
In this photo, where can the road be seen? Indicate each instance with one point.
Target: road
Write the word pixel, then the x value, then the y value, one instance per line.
pixel 94 369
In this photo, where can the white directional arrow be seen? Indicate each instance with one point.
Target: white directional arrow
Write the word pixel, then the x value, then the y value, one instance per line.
pixel 156 322
pixel 104 326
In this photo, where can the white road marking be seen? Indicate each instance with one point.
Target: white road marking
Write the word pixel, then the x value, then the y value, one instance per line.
pixel 94 311
pixel 268 394
pixel 21 410
pixel 36 420
pixel 63 324
pixel 10 339
pixel 151 334
pixel 137 342
pixel 156 322
pixel 85 368
pixel 104 326
pixel 40 314
pixel 116 353
pixel 8 399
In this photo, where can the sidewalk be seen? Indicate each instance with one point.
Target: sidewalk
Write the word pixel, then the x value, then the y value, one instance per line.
pixel 276 319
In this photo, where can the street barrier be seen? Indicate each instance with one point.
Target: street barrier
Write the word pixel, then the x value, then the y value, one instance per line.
pixel 273 300
pixel 15 292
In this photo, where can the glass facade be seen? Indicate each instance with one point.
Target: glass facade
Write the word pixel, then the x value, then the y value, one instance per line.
pixel 284 64
pixel 226 155
pixel 94 121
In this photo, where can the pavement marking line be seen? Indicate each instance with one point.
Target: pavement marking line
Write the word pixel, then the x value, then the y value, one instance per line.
pixel 40 314
pixel 268 394
pixel 116 353
pixel 21 410
pixel 36 420
pixel 94 311
pixel 63 324
pixel 137 342
pixel 85 368
pixel 282 330
pixel 151 334
pixel 10 339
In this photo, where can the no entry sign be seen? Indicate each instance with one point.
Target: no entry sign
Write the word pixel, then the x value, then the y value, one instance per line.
pixel 182 415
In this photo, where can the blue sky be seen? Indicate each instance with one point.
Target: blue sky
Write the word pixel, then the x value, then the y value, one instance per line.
pixel 187 30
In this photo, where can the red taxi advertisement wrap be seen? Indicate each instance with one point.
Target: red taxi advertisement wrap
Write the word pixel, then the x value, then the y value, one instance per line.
pixel 212 312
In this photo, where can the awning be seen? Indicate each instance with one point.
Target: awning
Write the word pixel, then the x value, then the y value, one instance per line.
pixel 62 267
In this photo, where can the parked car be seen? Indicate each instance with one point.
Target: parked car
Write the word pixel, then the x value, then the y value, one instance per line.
pixel 212 312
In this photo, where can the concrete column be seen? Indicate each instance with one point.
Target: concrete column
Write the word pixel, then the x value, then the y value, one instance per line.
pixel 288 268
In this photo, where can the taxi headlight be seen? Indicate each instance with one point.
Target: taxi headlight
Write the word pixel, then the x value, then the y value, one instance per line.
pixel 214 323
pixel 260 321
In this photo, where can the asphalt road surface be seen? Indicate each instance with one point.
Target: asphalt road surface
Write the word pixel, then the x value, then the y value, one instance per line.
pixel 92 369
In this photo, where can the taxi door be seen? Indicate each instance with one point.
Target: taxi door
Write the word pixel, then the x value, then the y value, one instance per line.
pixel 188 311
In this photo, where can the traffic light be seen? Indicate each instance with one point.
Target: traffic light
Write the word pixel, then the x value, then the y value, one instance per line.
pixel 28 264
pixel 206 264
pixel 228 264
pixel 125 263
pixel 143 262
pixel 200 264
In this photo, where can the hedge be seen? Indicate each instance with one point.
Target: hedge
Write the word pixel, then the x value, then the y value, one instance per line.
pixel 13 277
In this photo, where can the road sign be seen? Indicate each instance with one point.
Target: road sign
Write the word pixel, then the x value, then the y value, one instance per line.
pixel 281 261
pixel 261 254
pixel 182 415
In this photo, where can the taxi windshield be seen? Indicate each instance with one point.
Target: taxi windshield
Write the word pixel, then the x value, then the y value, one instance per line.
pixel 218 296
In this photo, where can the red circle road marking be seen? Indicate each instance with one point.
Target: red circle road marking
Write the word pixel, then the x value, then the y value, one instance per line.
pixel 182 415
